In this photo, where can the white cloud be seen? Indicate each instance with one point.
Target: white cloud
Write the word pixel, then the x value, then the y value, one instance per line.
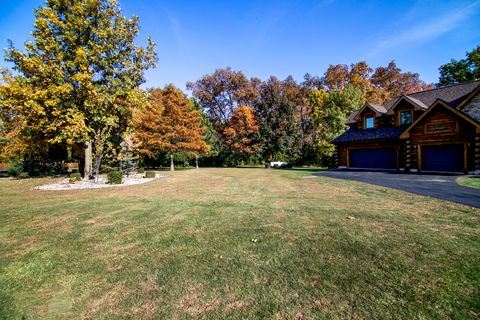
pixel 427 30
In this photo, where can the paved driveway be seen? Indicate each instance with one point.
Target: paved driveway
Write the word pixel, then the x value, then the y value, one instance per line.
pixel 436 186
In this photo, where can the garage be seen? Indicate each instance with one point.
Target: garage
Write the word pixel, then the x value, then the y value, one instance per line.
pixel 378 158
pixel 443 158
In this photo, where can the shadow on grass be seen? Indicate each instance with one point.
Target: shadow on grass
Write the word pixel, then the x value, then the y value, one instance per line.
pixel 305 170
pixel 168 169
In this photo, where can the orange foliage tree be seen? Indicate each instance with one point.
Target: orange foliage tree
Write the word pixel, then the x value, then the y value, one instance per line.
pixel 377 85
pixel 241 132
pixel 168 123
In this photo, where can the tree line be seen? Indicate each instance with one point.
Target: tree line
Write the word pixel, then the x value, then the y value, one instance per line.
pixel 75 89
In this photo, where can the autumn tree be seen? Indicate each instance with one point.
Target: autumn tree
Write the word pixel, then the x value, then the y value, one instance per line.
pixel 169 123
pixel 379 85
pixel 223 91
pixel 358 75
pixel 241 133
pixel 331 112
pixel 79 78
pixel 463 70
pixel 393 82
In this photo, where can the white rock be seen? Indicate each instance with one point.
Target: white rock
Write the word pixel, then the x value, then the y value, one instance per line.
pixel 133 179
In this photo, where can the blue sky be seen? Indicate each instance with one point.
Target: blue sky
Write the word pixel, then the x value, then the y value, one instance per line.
pixel 282 38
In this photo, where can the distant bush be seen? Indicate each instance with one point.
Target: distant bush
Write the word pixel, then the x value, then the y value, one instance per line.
pixel 14 170
pixel 75 171
pixel 75 177
pixel 115 177
pixel 23 175
pixel 150 174
pixel 141 170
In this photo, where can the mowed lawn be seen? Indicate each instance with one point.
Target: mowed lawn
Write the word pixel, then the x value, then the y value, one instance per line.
pixel 181 248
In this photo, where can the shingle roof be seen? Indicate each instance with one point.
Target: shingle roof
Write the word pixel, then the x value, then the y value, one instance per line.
pixel 453 95
pixel 377 107
pixel 384 133
pixel 418 102
pixel 351 117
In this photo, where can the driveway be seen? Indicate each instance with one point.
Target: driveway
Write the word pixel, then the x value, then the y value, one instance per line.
pixel 437 186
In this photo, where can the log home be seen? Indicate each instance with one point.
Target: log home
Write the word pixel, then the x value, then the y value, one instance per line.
pixel 436 130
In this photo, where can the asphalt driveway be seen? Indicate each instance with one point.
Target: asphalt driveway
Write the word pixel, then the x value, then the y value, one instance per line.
pixel 437 186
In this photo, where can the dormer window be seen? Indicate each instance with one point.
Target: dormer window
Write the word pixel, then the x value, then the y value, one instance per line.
pixel 369 122
pixel 405 117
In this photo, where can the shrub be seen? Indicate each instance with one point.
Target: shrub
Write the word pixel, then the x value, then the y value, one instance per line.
pixel 150 174
pixel 74 177
pixel 141 170
pixel 23 175
pixel 115 177
pixel 14 170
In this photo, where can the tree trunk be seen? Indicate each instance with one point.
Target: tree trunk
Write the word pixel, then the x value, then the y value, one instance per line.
pixel 172 167
pixel 196 161
pixel 87 170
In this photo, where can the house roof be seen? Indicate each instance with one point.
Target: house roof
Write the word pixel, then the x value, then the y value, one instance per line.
pixel 351 117
pixel 453 95
pixel 383 133
pixel 378 109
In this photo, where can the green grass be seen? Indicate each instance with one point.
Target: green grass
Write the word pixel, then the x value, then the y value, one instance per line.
pixel 473 182
pixel 180 248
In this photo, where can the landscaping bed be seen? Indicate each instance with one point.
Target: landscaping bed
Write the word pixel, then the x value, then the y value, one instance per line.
pixel 65 184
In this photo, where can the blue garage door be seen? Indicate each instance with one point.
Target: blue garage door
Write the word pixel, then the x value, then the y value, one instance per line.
pixel 382 158
pixel 442 158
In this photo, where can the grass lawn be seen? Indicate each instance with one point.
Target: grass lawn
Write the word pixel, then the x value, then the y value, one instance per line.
pixel 180 248
pixel 473 182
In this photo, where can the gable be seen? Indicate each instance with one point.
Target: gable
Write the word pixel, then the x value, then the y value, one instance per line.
pixel 405 103
pixel 440 119
pixel 370 109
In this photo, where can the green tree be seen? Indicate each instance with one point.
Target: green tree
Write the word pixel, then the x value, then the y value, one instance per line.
pixel 331 111
pixel 278 129
pixel 463 70
pixel 78 80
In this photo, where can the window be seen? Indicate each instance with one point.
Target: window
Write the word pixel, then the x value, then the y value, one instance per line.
pixel 405 117
pixel 369 122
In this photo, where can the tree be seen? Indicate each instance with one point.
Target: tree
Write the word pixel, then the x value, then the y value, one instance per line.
pixel 127 153
pixel 377 86
pixel 278 128
pixel 393 83
pixel 459 71
pixel 211 136
pixel 241 132
pixel 79 75
pixel 221 92
pixel 331 111
pixel 169 123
